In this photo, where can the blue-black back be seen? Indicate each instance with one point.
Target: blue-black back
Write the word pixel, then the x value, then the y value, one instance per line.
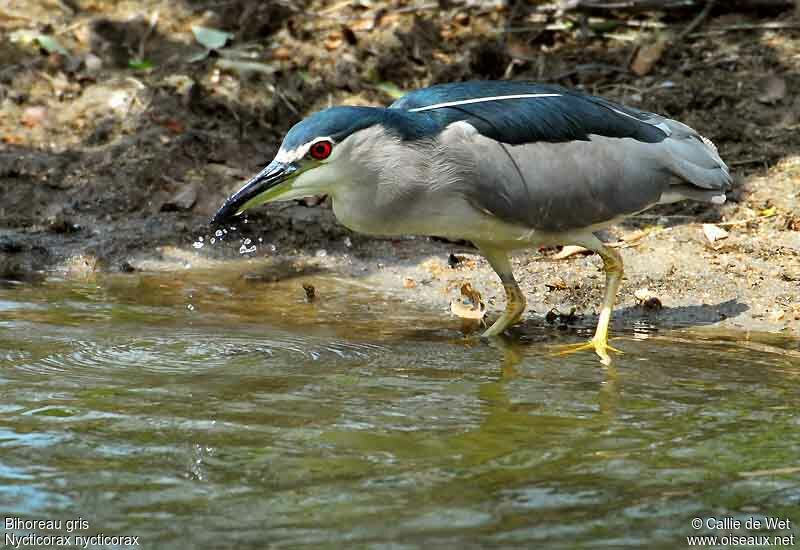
pixel 568 117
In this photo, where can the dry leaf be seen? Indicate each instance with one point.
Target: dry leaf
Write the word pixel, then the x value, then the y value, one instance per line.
pixel 183 200
pixel 334 41
pixel 648 55
pixel 33 116
pixel 13 139
pixel 556 284
pixel 771 89
pixel 569 250
pixel 469 305
pixel 714 233
pixel 435 267
pixel 408 282
pixel 647 299
pixel 281 54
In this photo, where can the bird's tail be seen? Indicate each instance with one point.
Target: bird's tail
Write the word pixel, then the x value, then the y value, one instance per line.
pixel 695 160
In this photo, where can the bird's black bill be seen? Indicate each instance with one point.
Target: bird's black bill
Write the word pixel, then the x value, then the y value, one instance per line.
pixel 270 177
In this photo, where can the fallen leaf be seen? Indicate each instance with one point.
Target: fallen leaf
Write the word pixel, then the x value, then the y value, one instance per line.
pixel 433 266
pixel 469 305
pixel 12 139
pixel 212 39
pixel 334 41
pixel 771 89
pixel 310 291
pixel 33 116
pixel 47 43
pixel 647 299
pixel 569 250
pixel 182 200
pixel 714 233
pixel 768 212
pixel 408 282
pixel 281 54
pixel 557 284
pixel 648 55
pixel 140 64
pixel 173 125
pixel 51 45
pixel 777 314
pixel 391 89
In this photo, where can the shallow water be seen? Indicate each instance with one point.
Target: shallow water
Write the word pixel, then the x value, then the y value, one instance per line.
pixel 210 410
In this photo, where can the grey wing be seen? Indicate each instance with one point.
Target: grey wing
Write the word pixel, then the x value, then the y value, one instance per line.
pixel 577 184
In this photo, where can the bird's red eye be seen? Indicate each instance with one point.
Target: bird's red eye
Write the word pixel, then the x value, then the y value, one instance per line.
pixel 321 150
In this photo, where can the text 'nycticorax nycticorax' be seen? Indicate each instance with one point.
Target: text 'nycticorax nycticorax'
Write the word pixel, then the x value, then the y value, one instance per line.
pixel 504 164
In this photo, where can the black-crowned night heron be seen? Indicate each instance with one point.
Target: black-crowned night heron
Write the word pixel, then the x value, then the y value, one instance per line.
pixel 506 165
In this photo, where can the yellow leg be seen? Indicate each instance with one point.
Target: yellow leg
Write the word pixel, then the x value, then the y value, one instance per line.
pixel 515 300
pixel 612 263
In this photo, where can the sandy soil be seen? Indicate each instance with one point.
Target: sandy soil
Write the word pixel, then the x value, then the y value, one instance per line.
pixel 115 152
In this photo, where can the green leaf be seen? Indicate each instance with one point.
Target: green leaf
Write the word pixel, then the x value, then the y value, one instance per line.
pixel 211 38
pixel 392 90
pixel 51 45
pixel 199 56
pixel 140 64
pixel 47 43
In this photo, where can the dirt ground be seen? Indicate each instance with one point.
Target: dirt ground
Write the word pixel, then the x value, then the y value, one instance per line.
pixel 121 137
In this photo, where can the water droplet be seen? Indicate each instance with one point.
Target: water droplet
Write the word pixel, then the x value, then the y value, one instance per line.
pixel 218 233
pixel 260 240
pixel 225 231
pixel 244 250
pixel 272 248
pixel 347 242
pixel 321 253
pixel 213 240
pixel 190 307
pixel 200 238
pixel 198 244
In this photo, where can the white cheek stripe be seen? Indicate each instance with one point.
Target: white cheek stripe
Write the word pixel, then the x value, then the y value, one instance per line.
pixel 480 100
pixel 299 152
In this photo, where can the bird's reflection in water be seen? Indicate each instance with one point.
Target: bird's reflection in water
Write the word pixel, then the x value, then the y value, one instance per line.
pixel 525 427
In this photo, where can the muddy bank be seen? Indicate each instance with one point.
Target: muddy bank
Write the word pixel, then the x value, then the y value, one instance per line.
pixel 115 151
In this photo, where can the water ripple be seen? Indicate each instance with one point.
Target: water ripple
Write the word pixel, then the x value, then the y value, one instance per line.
pixel 181 352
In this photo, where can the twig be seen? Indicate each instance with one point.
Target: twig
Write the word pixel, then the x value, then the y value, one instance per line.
pixel 748 220
pixel 423 7
pixel 587 67
pixel 696 22
pixel 150 28
pixel 335 7
pixel 15 15
pixel 572 5
pixel 776 25
pixel 287 102
pixel 651 5
pixel 758 160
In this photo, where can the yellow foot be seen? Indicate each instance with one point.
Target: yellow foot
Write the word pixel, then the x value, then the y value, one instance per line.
pixel 600 347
